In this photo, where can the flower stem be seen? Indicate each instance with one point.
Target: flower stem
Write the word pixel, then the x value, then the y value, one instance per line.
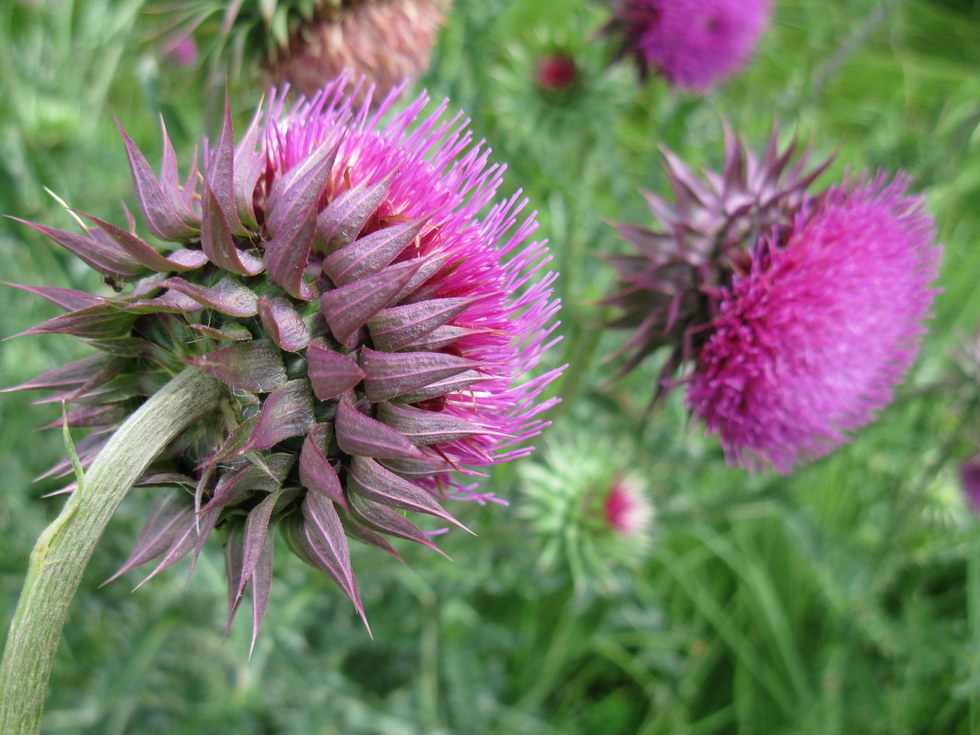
pixel 64 548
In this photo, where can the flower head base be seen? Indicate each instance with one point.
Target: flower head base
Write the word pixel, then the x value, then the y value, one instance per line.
pixel 386 41
pixel 811 341
pixel 372 328
pixel 694 44
pixel 671 288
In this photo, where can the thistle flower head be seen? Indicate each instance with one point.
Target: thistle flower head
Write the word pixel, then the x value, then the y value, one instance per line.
pixel 587 513
pixel 556 72
pixel 671 287
pixel 627 510
pixel 386 41
pixel 970 482
pixel 811 340
pixel 694 44
pixel 370 306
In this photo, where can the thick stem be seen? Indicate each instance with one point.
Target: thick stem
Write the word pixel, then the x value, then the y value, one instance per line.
pixel 64 548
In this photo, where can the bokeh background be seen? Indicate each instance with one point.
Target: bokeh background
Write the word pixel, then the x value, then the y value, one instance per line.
pixel 842 599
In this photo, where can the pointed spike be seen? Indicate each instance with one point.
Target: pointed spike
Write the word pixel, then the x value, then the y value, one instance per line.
pixel 369 479
pixel 66 298
pixel 384 519
pixel 257 525
pixel 361 436
pixel 110 261
pixel 429 427
pixel 227 296
pixel 157 210
pixel 261 585
pixel 219 244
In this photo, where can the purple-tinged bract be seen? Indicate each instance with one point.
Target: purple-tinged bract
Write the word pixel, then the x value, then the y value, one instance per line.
pixel 694 44
pixel 372 308
pixel 811 341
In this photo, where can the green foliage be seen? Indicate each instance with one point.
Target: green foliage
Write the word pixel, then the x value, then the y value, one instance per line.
pixel 843 599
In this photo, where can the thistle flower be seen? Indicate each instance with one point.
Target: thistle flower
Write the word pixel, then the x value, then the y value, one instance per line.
pixel 793 314
pixel 970 481
pixel 387 41
pixel 372 324
pixel 694 44
pixel 587 513
pixel 811 340
pixel 556 72
pixel 307 43
pixel 671 288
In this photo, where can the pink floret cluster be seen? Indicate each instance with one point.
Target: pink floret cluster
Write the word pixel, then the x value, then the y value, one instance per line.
pixel 811 342
pixel 693 43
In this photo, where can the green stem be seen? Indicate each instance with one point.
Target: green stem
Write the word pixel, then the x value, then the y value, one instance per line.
pixel 64 548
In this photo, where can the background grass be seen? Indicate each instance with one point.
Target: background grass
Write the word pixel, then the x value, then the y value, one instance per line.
pixel 843 599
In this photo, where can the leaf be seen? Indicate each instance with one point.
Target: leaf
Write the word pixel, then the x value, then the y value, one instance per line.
pixel 227 296
pixel 105 259
pixel 429 427
pixel 218 242
pixel 384 519
pixel 179 260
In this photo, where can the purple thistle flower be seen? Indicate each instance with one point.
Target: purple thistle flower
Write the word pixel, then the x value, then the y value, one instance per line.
pixel 372 308
pixel 811 341
pixel 970 480
pixel 694 44
pixel 671 287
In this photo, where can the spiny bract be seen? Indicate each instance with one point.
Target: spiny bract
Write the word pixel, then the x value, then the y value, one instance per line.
pixel 373 330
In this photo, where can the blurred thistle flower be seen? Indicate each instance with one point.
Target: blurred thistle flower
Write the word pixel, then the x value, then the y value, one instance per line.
pixel 180 50
pixel 306 43
pixel 387 41
pixel 798 314
pixel 811 342
pixel 694 44
pixel 556 72
pixel 587 512
pixel 970 482
pixel 372 309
